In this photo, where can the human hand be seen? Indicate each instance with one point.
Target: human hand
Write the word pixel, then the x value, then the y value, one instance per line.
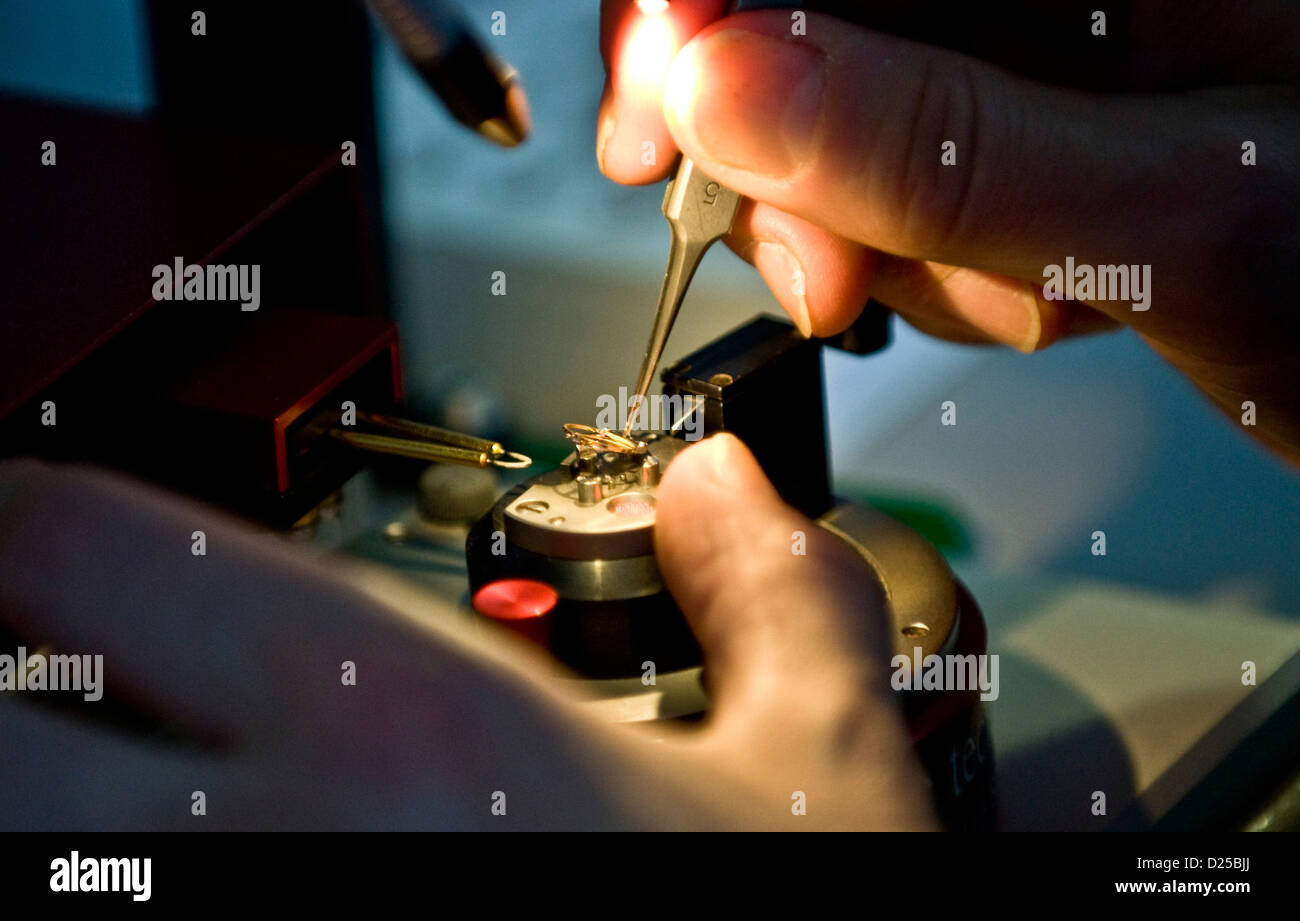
pixel 1124 150
pixel 241 650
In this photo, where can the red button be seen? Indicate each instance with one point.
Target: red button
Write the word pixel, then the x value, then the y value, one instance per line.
pixel 520 605
pixel 515 599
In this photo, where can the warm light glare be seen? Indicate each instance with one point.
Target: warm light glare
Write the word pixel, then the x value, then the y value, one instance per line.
pixel 652 7
pixel 679 87
pixel 649 50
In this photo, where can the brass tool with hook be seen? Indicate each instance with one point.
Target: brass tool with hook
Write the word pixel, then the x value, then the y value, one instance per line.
pixel 406 438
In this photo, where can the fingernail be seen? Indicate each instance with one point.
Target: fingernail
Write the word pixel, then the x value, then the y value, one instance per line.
pixel 735 470
pixel 759 106
pixel 1027 329
pixel 725 447
pixel 779 265
pixel 603 134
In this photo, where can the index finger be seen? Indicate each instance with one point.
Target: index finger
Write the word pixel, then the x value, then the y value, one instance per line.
pixel 638 40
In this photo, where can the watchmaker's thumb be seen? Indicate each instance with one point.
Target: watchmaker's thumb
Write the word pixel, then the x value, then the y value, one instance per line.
pixel 791 621
pixel 925 153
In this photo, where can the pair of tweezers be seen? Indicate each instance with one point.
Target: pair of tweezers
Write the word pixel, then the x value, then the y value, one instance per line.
pixel 406 438
pixel 699 211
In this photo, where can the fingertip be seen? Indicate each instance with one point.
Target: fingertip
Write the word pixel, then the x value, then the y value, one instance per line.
pixel 604 125
pixel 634 145
pixel 631 149
pixel 718 483
pixel 719 463
pixel 785 278
pixel 844 272
pixel 1050 320
pixel 819 278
